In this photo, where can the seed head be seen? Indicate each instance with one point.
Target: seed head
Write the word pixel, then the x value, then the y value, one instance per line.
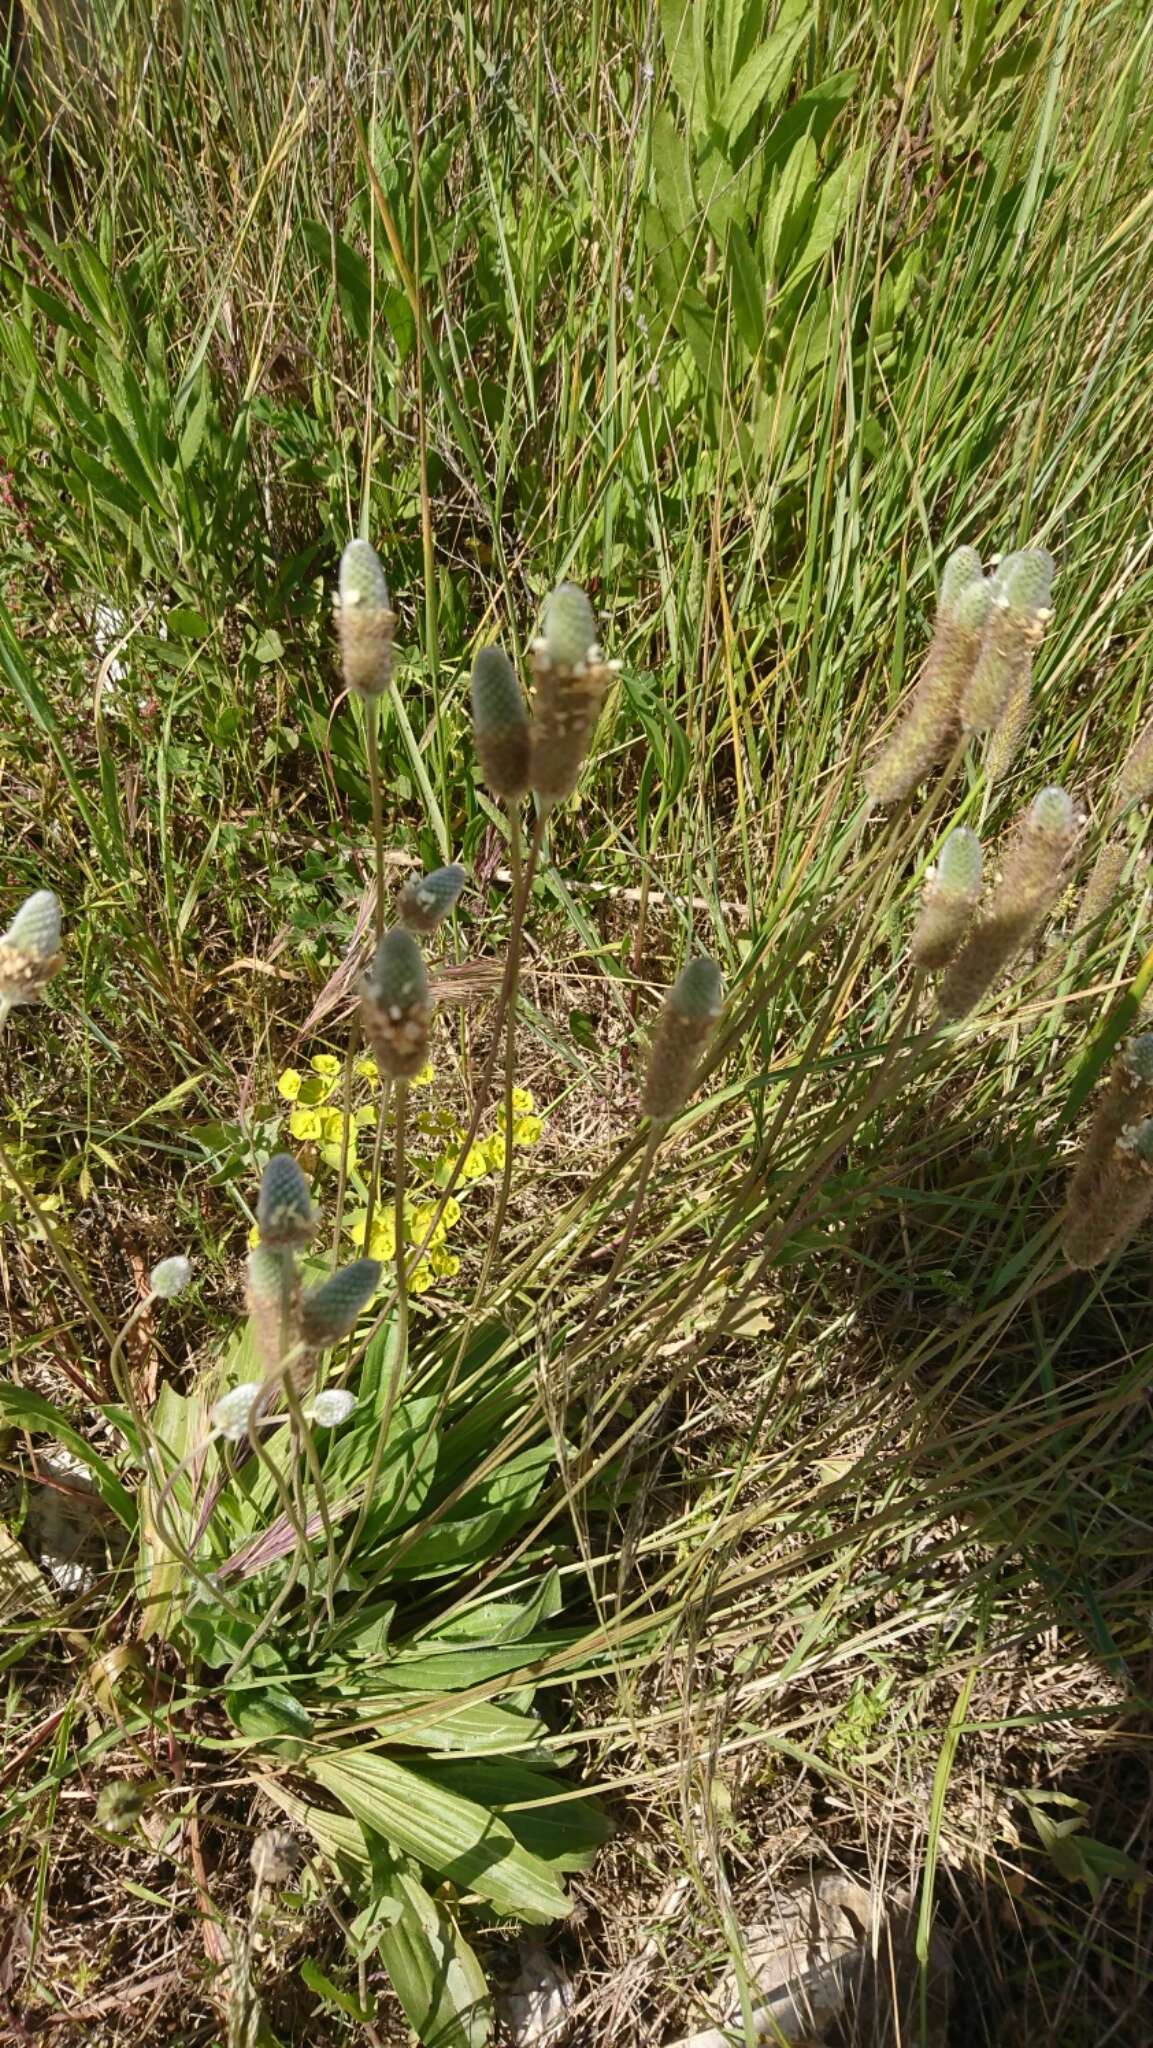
pixel 570 679
pixel 330 1311
pixel 1135 778
pixel 962 569
pixel 569 629
pixel 1024 580
pixel 930 723
pixel 332 1407
pixel 1102 1216
pixel 285 1216
pixel 500 725
pixel 1015 627
pixel 426 901
pixel 950 899
pixel 1103 886
pixel 682 1031
pixel 365 620
pixel 395 1005
pixel 30 949
pixel 170 1277
pixel 1032 878
pixel 230 1415
pixel 274 1856
pixel 1125 1099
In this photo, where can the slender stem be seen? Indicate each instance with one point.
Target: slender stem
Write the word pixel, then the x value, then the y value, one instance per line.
pixel 345 1133
pixel 372 748
pixel 377 1156
pixel 655 1134
pixel 400 1337
pixel 515 865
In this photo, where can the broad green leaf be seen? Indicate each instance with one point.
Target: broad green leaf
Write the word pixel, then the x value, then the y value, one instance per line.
pixel 682 32
pixel 449 1836
pixel 434 1972
pixel 748 290
pixel 673 180
pixel 832 209
pixel 542 1812
pixel 787 214
pixel 762 80
pixel 474 1728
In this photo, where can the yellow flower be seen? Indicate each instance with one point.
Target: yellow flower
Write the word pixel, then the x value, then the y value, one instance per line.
pixel 452 1213
pixel 305 1123
pixel 332 1126
pixel 382 1243
pixel 288 1084
pixel 254 1237
pixel 421 1279
pixel 325 1063
pixel 366 1117
pixel 425 1077
pixel 420 1222
pixel 444 1264
pixel 475 1163
pixel 367 1069
pixel 494 1150
pixel 526 1130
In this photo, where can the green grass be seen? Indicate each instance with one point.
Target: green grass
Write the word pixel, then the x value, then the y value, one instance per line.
pixel 517 296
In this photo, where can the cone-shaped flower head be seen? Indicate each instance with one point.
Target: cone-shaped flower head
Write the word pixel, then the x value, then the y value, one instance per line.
pixel 365 620
pixel 1104 1213
pixel 330 1311
pixel 1016 625
pixel 426 900
pixel 930 723
pixel 950 899
pixel 569 630
pixel 285 1216
pixel 500 725
pixel 682 1031
pixel 961 571
pixel 570 678
pixel 1031 880
pixel 395 1005
pixel 170 1277
pixel 30 949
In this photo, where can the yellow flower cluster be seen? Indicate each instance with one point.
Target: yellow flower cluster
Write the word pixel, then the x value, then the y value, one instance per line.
pixel 437 1139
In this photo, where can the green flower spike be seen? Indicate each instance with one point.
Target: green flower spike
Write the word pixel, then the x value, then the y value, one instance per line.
pixel 427 900
pixel 500 725
pixel 396 1005
pixel 285 1216
pixel 683 1029
pixel 332 1310
pixel 30 950
pixel 930 723
pixel 570 678
pixel 950 899
pixel 365 621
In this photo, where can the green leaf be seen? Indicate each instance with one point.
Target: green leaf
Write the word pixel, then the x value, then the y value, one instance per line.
pixel 268 646
pixel 434 1972
pixel 762 80
pixel 682 32
pixel 672 180
pixel 25 1410
pixel 331 1994
pixel 184 623
pixel 452 1837
pixel 748 291
pixel 541 1811
pixel 834 204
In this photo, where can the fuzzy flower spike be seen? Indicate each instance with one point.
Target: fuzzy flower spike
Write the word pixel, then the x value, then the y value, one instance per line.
pixel 570 676
pixel 30 950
